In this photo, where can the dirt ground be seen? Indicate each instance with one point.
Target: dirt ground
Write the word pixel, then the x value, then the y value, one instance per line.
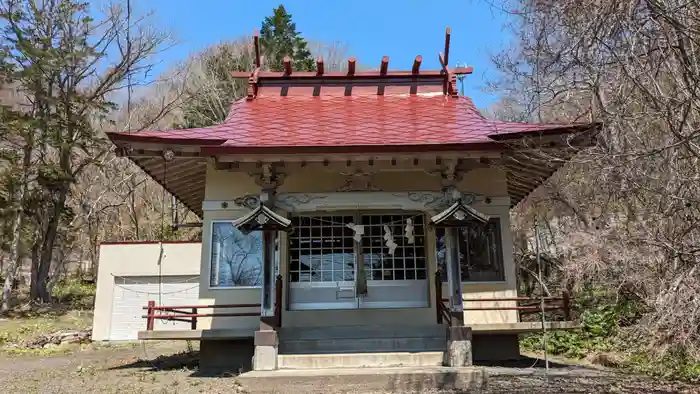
pixel 168 368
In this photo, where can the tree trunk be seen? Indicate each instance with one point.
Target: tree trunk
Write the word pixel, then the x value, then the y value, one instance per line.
pixel 17 226
pixel 13 263
pixel 44 268
pixel 36 252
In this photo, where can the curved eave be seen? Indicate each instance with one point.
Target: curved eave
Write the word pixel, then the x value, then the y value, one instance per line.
pixel 525 174
pixel 526 170
pixel 183 177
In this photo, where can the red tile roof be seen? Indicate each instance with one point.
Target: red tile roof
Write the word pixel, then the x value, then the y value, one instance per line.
pixel 273 122
pixel 350 111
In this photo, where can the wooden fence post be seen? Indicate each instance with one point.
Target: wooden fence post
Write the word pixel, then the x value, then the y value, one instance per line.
pixel 150 321
pixel 194 318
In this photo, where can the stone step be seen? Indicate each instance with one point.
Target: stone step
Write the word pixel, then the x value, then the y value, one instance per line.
pixel 366 380
pixel 363 345
pixel 359 360
pixel 358 332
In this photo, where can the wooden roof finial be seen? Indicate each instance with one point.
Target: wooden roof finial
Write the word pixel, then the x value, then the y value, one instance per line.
pixel 447 46
pixel 319 65
pixel 416 64
pixel 287 65
pixel 351 65
pixel 257 48
pixel 385 65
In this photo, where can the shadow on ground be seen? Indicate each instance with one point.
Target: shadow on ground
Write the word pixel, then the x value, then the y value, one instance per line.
pixel 179 361
pixel 526 362
pixel 184 360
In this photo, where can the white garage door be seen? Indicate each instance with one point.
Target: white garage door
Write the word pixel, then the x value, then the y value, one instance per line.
pixel 132 293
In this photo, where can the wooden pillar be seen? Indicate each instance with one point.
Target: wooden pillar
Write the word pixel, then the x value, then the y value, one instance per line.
pixel 267 293
pixel 454 277
pixel 265 339
pixel 438 296
pixel 278 301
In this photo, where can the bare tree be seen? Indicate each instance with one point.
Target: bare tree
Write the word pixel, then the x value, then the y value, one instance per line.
pixel 69 66
pixel 625 215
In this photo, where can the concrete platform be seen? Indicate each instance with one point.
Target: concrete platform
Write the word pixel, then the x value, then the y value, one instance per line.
pixel 359 360
pixel 187 335
pixel 362 380
pixel 522 327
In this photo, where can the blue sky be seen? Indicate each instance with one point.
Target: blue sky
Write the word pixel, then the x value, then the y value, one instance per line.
pixel 370 30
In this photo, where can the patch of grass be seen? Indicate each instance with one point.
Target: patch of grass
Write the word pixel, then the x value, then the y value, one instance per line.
pixel 601 336
pixel 18 330
pixel 673 365
pixel 74 293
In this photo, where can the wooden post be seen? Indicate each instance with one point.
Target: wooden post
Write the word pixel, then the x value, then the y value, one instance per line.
pixel 384 66
pixel 194 318
pixel 416 64
pixel 438 296
pixel 278 300
pixel 150 321
pixel 351 65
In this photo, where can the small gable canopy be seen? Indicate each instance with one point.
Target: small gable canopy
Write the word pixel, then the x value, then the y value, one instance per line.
pixel 262 218
pixel 457 215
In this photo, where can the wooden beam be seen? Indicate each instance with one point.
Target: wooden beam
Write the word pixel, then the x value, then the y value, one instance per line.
pixel 447 46
pixel 319 65
pixel 385 66
pixel 416 64
pixel 527 172
pixel 257 48
pixel 287 65
pixel 311 75
pixel 526 178
pixel 351 65
pixel 512 182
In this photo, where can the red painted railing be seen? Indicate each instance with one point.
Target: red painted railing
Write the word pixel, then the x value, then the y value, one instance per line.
pixel 190 313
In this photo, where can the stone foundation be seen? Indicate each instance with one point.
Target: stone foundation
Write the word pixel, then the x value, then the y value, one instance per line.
pixel 266 349
pixel 235 355
pixel 459 347
pixel 496 347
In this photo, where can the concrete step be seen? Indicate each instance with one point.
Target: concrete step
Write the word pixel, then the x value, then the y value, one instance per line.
pixel 363 345
pixel 357 332
pixel 366 380
pixel 359 360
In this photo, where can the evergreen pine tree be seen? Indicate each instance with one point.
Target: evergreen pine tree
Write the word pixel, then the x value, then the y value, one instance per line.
pixel 279 38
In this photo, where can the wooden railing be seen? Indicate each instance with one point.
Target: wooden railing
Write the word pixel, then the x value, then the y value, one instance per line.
pixel 524 305
pixel 527 305
pixel 190 313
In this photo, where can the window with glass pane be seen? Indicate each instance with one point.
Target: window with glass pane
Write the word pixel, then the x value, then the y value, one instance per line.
pixel 408 261
pixel 480 252
pixel 321 249
pixel 236 258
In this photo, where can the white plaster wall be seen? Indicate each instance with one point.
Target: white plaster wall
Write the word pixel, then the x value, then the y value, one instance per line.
pixel 228 185
pixel 138 259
